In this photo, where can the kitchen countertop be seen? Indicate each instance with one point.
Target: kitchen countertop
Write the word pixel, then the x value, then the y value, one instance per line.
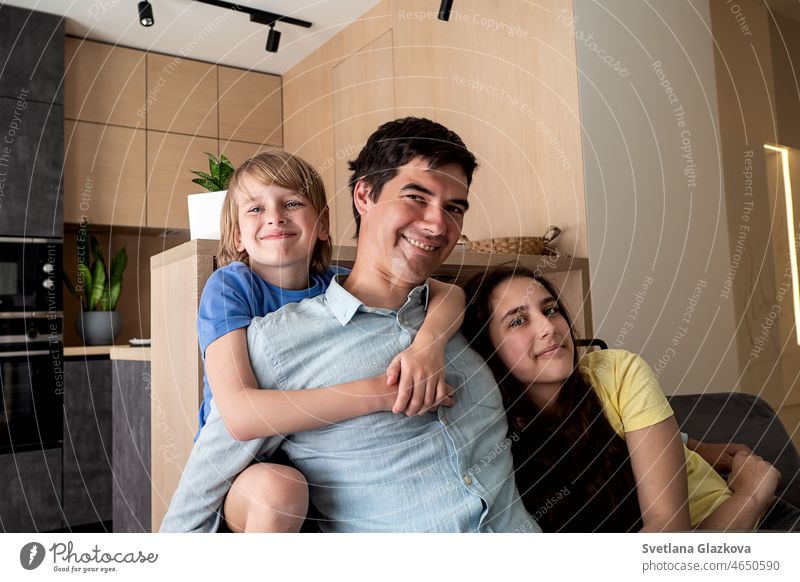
pixel 121 352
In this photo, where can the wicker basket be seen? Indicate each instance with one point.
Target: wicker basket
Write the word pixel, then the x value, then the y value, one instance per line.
pixel 516 245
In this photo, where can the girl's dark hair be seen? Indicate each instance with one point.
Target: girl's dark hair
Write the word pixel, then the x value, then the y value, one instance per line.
pixel 573 470
pixel 396 143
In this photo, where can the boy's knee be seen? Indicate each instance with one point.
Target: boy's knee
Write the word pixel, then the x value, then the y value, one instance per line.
pixel 279 500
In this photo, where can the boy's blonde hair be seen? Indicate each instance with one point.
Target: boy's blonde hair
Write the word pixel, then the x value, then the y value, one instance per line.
pixel 281 169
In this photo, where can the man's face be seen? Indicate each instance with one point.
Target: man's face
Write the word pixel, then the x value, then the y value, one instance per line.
pixel 416 221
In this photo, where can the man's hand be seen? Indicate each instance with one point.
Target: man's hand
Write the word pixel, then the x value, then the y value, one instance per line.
pixel 719 456
pixel 419 373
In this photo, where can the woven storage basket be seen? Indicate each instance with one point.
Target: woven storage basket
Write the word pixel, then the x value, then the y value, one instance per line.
pixel 516 245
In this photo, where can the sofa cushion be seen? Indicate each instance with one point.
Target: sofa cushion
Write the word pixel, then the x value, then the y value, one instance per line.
pixel 742 418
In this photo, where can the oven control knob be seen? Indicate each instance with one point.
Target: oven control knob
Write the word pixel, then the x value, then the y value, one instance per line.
pixel 48 268
pixel 49 284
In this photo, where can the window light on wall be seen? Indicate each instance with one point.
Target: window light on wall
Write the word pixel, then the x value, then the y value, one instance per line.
pixel 791 229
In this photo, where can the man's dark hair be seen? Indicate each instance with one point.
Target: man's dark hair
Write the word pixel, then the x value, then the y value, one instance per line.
pixel 396 143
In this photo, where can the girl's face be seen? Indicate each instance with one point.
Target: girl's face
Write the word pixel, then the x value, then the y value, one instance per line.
pixel 279 229
pixel 530 334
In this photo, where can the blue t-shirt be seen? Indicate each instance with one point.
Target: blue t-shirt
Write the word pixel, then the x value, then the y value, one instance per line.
pixel 233 296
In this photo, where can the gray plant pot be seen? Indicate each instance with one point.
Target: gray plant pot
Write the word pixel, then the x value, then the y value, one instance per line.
pixel 98 328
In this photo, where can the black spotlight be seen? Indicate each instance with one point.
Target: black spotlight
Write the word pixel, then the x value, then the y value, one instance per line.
pixel 444 9
pixel 273 39
pixel 145 14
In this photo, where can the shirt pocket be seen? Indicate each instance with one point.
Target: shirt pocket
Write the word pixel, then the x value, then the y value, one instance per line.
pixel 477 392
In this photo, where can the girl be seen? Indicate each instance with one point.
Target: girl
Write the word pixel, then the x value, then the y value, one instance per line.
pixel 596 446
pixel 274 249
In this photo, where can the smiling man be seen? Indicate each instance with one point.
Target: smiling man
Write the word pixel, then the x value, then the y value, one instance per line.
pixel 449 470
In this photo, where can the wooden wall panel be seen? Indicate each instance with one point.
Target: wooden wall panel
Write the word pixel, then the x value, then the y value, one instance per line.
pixel 511 92
pixel 308 126
pixel 363 99
pixel 504 77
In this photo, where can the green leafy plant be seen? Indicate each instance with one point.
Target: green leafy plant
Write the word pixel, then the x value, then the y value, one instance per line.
pixel 99 290
pixel 220 172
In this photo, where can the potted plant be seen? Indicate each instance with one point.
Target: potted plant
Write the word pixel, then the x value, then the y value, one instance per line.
pixel 98 291
pixel 204 209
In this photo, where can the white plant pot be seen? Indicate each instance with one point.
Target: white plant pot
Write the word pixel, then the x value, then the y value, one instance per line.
pixel 204 213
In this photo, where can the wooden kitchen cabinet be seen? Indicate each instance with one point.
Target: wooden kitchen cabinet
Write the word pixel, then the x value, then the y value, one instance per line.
pixel 182 95
pixel 104 176
pixel 238 151
pixel 170 159
pixel 250 107
pixel 104 83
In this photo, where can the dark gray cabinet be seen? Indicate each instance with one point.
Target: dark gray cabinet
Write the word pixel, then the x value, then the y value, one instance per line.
pixel 30 491
pixel 31 55
pixel 87 441
pixel 31 162
pixel 131 436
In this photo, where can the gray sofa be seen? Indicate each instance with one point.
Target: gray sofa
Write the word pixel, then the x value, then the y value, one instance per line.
pixel 735 417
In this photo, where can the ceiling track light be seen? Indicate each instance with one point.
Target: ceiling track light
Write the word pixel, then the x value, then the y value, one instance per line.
pixel 262 17
pixel 444 9
pixel 273 39
pixel 146 13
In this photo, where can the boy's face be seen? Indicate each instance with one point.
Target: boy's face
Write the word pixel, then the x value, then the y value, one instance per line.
pixel 415 223
pixel 279 229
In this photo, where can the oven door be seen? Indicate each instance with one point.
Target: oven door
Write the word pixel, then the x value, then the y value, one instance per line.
pixel 32 386
pixel 30 276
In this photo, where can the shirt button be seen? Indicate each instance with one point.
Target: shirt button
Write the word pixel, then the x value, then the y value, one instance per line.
pixel 467 479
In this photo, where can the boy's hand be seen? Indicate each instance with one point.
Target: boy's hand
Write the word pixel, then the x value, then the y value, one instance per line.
pixel 421 380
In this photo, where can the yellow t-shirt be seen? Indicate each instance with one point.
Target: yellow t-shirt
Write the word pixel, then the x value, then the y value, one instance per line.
pixel 632 399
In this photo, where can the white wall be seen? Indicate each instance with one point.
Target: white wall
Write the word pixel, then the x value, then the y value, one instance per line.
pixel 658 236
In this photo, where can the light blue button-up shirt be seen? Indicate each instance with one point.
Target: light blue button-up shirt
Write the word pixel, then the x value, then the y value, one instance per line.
pixel 446 471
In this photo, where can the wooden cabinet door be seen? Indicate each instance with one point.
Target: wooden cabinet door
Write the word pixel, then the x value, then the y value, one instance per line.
pixel 182 96
pixel 238 151
pixel 250 107
pixel 104 178
pixel 104 83
pixel 170 159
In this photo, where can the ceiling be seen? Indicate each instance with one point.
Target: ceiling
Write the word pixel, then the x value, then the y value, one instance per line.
pixel 206 33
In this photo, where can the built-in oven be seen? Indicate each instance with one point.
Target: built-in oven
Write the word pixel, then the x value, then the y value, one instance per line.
pixel 31 348
pixel 31 383
pixel 30 276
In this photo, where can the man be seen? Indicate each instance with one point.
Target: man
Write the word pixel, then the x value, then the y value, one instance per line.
pixel 449 470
